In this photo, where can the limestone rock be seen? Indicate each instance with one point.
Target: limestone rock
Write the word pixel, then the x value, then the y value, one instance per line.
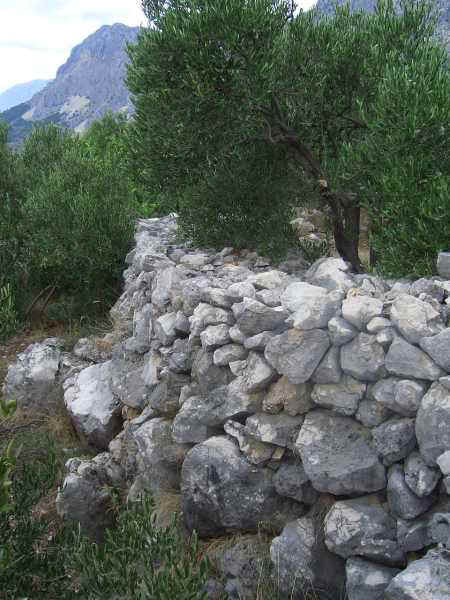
pixel 341 331
pixel 438 347
pixel 330 273
pixel 367 580
pixel 296 354
pixel 415 319
pixel 402 501
pixel 257 452
pixel 433 423
pixel 303 563
pixel 164 328
pixel 257 374
pixel 253 317
pixel 205 314
pixel 229 353
pixel 394 439
pixel 337 456
pixel 222 491
pixel 342 398
pixel 329 369
pixel 419 477
pixel 361 527
pixel 92 406
pixel 295 399
pixel 363 358
pixel 312 306
pixel 428 577
pixel 360 310
pixel 291 481
pixel 281 429
pixel 31 380
pixel 402 396
pixel 371 413
pixel 214 336
pixel 406 360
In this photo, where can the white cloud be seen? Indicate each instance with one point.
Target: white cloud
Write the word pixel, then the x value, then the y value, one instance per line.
pixel 36 36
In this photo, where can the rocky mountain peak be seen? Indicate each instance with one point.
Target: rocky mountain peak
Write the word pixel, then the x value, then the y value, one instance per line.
pixel 89 83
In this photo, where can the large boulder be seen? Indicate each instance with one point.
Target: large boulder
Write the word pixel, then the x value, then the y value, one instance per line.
pixel 414 318
pixel 337 456
pixel 94 409
pixel 362 527
pixel 222 491
pixel 302 562
pixel 32 380
pixel 428 577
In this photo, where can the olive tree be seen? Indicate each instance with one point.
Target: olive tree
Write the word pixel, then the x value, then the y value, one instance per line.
pixel 243 109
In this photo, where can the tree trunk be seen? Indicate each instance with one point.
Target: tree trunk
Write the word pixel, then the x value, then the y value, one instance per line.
pixel 346 218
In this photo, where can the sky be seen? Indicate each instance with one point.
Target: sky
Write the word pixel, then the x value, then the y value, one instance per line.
pixel 36 36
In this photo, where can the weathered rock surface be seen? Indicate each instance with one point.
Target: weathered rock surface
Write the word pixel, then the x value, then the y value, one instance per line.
pixel 366 580
pixel 221 491
pixel 406 360
pixel 433 423
pixel 92 406
pixel 296 354
pixel 337 456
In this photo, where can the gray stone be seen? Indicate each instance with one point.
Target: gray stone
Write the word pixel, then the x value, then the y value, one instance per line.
pixel 195 260
pixel 302 562
pixel 296 354
pixel 360 310
pixel 214 336
pixel 336 455
pixel 427 577
pixel 182 325
pixel 420 478
pixel 363 358
pixel 221 491
pixel 259 341
pixel 416 534
pixel 443 265
pixel 258 373
pixel 402 501
pixel 443 461
pixel 242 565
pixel 207 374
pixel 205 314
pixel 85 497
pixel 167 284
pixel 386 337
pixel 240 290
pixel 229 353
pixel 330 273
pixel 329 369
pixel 31 380
pixel 402 396
pixel 151 370
pixel 433 423
pixel 312 306
pixel 378 324
pixel 367 580
pixel 257 452
pixel 291 481
pixel 394 439
pixel 217 297
pixel 342 398
pixel 164 328
pixel 361 527
pixel 127 383
pixel 406 360
pixel 180 357
pixel 159 457
pixel 164 399
pixel 415 319
pixel 438 347
pixel 295 399
pixel 93 349
pixel 270 280
pixel 269 297
pixel 237 336
pixel 430 287
pixel 341 331
pixel 371 413
pixel 253 317
pixel 92 406
pixel 281 429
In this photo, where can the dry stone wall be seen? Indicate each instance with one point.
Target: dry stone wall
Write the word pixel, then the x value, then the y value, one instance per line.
pixel 312 403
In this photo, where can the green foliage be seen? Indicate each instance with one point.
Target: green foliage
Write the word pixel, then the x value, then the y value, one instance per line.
pixel 140 561
pixel 217 85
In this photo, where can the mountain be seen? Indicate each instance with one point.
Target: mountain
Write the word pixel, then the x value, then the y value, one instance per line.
pixel 21 92
pixel 443 6
pixel 88 85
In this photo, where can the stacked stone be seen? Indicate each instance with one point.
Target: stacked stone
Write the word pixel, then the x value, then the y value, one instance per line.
pixel 318 406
